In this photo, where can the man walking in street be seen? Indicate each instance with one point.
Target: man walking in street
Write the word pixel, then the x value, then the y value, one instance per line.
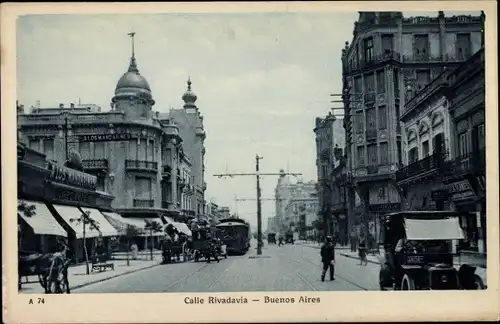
pixel 328 258
pixel 353 238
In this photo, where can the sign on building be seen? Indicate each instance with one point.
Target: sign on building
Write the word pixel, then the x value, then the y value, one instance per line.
pixel 105 137
pixel 461 190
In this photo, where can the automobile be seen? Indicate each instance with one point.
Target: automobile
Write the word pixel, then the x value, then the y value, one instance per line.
pixel 417 252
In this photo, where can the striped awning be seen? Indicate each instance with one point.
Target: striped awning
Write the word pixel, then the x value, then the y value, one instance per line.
pixel 42 221
pixel 121 223
pixel 72 216
pixel 105 227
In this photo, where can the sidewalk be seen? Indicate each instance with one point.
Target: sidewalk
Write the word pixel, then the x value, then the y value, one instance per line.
pixel 78 278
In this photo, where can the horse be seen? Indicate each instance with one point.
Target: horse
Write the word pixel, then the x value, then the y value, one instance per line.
pixel 51 269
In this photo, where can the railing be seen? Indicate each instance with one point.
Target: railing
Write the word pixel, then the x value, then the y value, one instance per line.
pixel 371 134
pixel 387 55
pixel 370 97
pixel 372 169
pixel 95 164
pixel 467 162
pixel 166 171
pixel 424 165
pixel 144 203
pixel 141 165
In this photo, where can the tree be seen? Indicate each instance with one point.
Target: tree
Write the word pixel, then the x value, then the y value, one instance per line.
pixel 130 232
pixel 153 227
pixel 28 211
pixel 85 220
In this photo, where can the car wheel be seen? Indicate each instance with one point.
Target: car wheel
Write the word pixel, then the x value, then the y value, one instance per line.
pixel 479 283
pixel 407 283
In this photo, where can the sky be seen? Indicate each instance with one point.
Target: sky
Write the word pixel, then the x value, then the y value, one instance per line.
pixel 261 80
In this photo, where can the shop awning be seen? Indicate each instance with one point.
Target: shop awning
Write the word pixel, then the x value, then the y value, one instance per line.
pixel 183 228
pixel 120 223
pixel 70 215
pixel 42 222
pixel 433 229
pixel 105 227
pixel 168 220
pixel 141 222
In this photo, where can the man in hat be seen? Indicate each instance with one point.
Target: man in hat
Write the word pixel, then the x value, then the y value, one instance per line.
pixel 328 258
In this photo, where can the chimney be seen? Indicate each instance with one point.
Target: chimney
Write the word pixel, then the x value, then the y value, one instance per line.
pixel 61 105
pixel 72 105
pixel 37 104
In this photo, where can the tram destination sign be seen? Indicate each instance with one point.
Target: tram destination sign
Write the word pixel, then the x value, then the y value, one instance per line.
pixel 105 137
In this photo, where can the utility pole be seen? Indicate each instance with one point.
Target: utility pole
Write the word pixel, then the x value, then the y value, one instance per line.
pixel 259 207
pixel 257 174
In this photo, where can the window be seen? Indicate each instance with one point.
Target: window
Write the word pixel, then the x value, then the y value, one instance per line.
pixel 480 137
pixel 463 144
pixel 150 150
pixel 425 149
pixel 438 145
pixel 372 154
pixel 368 49
pixel 99 150
pixel 371 121
pixel 132 149
pixel 380 82
pixel 400 153
pixel 384 153
pixel 381 192
pixel 387 43
pixel 167 157
pixel 360 125
pixel 463 46
pixel 361 155
pixel 413 155
pixel 382 117
pixel 35 144
pixel 421 49
pixel 85 151
pixel 143 188
pixel 423 79
pixel 48 148
pixel 358 85
pixel 142 150
pixel 396 82
pixel 100 186
pixel 369 83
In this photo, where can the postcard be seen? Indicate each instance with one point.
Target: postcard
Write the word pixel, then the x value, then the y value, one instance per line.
pixel 250 162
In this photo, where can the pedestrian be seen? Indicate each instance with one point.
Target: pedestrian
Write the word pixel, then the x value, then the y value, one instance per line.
pixel 362 251
pixel 353 240
pixel 328 258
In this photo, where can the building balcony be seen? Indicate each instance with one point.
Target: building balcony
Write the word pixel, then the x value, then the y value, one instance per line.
pixel 371 135
pixel 471 162
pixel 144 203
pixel 204 187
pixel 95 164
pixel 136 165
pixel 374 61
pixel 166 171
pixel 369 97
pixel 372 169
pixel 419 168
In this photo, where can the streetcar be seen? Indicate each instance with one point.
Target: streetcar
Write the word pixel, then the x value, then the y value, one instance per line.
pixel 235 234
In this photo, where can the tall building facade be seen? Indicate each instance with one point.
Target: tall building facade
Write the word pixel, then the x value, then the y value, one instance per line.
pixel 192 132
pixel 330 143
pixel 389 60
pixel 136 154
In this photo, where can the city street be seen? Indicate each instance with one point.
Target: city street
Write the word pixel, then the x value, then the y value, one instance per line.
pixel 286 268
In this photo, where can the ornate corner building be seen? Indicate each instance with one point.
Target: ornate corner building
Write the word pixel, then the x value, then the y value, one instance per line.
pixel 390 60
pixel 151 163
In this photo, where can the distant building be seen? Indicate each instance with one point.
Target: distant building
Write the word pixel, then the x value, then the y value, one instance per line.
pixel 224 212
pixel 213 212
pixel 330 145
pixel 389 60
pixel 271 224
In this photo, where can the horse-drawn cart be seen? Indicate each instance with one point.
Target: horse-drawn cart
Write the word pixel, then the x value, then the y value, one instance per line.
pixel 51 269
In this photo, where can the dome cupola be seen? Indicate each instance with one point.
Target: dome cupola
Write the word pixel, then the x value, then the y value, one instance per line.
pixel 189 96
pixel 132 84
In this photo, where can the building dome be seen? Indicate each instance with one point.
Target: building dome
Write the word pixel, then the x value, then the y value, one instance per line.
pixel 189 96
pixel 132 82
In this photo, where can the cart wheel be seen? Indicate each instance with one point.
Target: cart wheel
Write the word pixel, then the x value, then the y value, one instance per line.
pixel 479 283
pixel 407 283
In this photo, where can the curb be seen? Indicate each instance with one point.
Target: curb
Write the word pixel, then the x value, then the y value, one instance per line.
pixel 353 257
pixel 112 277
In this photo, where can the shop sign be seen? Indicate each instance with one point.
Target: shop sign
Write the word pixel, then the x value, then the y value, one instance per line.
pixel 439 194
pixel 460 190
pixel 105 137
pixel 73 196
pixel 70 177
